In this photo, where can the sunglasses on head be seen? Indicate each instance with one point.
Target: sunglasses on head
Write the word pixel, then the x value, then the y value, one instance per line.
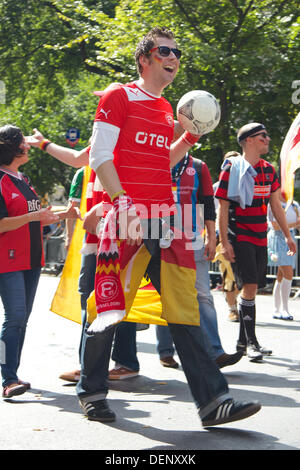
pixel 263 134
pixel 165 51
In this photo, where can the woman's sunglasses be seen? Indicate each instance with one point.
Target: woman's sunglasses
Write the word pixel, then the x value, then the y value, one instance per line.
pixel 165 51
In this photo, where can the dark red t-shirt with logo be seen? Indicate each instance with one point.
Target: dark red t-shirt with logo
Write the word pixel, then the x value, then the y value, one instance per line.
pixel 20 249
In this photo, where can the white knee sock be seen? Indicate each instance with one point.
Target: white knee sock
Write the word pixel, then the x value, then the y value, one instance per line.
pixel 286 286
pixel 277 296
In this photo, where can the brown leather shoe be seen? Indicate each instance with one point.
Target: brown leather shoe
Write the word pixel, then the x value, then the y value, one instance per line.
pixel 229 359
pixel 27 384
pixel 73 376
pixel 12 390
pixel 169 361
pixel 234 316
pixel 120 373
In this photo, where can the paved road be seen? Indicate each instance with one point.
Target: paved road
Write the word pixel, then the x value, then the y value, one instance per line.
pixel 155 411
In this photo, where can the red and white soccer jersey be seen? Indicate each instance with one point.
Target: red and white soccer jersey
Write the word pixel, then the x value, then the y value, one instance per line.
pixel 141 155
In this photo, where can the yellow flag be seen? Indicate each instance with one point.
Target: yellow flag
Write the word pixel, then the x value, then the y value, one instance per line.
pixel 66 301
pixel 146 307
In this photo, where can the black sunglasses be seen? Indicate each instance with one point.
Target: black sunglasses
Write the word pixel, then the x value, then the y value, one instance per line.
pixel 263 134
pixel 165 51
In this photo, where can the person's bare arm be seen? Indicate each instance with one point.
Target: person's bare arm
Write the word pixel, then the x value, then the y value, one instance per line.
pixel 226 247
pixel 70 225
pixel 280 217
pixel 45 216
pixel 181 146
pixel 71 157
pixel 210 240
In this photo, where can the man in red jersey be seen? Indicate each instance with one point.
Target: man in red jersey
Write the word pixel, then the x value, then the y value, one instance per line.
pixel 131 153
pixel 246 185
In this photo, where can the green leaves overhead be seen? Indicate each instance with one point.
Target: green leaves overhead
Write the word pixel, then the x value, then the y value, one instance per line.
pixel 245 52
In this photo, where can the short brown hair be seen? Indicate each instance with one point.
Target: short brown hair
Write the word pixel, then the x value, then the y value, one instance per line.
pixel 11 137
pixel 232 153
pixel 146 44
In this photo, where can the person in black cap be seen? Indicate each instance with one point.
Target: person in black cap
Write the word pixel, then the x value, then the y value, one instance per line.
pixel 246 185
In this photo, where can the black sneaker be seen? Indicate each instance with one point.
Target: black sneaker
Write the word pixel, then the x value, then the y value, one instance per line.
pixel 254 353
pixel 264 351
pixel 242 347
pixel 98 411
pixel 229 411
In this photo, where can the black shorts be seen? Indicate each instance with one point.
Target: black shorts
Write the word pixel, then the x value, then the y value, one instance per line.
pixel 250 265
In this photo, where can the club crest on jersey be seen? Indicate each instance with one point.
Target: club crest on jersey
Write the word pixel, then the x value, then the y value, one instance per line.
pixel 191 171
pixel 11 254
pixel 169 119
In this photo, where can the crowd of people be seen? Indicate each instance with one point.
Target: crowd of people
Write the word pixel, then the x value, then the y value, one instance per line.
pixel 136 225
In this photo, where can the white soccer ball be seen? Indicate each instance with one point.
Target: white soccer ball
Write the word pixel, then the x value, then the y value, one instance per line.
pixel 198 112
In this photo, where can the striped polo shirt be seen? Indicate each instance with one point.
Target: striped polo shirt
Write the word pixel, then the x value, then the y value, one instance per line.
pixel 250 224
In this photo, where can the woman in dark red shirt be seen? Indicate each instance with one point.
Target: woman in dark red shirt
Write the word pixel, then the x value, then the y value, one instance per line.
pixel 21 252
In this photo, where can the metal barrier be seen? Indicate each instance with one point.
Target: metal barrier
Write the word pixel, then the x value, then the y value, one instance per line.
pixel 271 272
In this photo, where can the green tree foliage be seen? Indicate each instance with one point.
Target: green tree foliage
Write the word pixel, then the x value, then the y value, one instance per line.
pixel 246 52
pixel 76 109
pixel 46 87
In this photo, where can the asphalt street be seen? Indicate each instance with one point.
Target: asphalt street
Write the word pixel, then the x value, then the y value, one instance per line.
pixel 155 411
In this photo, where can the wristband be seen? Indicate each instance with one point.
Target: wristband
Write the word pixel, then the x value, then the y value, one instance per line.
pixel 190 139
pixel 44 144
pixel 114 196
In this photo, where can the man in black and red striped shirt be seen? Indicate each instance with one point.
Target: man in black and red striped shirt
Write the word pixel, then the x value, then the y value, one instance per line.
pixel 246 186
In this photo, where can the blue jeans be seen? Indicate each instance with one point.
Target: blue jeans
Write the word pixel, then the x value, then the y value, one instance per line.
pixel 86 286
pixel 208 314
pixel 164 344
pixel 124 350
pixel 17 291
pixel 207 384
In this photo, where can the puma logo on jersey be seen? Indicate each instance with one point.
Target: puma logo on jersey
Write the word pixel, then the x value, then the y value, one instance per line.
pixel 105 112
pixel 135 92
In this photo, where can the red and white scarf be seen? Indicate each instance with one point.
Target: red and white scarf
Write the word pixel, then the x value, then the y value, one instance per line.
pixel 109 294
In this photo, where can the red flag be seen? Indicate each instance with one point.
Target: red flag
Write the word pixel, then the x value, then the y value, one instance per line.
pixel 290 159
